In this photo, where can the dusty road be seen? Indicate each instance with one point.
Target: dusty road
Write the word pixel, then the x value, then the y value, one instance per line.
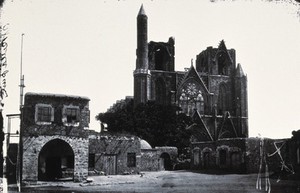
pixel 167 182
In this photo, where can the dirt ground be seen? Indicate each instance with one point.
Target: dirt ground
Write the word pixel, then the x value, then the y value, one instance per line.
pixel 166 182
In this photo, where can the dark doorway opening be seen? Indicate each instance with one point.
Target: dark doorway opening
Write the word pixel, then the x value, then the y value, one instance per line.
pixel 222 154
pixel 53 168
pixel 166 161
pixel 235 161
pixel 206 160
pixel 160 90
pixel 56 161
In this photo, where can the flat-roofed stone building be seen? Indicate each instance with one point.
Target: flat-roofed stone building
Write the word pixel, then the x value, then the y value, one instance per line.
pixel 54 137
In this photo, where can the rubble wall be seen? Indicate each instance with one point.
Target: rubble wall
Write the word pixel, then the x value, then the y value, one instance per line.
pixel 117 147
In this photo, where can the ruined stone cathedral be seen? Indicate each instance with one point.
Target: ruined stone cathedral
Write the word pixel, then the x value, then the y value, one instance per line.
pixel 213 92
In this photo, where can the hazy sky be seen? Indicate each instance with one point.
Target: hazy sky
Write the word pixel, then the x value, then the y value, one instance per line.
pixel 87 48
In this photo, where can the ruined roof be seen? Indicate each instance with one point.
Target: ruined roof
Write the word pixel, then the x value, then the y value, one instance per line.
pixel 56 95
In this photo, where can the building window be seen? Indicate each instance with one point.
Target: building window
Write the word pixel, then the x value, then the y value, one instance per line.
pixel 222 99
pixel 191 99
pixel 71 115
pixel 131 160
pixel 91 160
pixel 223 61
pixel 44 114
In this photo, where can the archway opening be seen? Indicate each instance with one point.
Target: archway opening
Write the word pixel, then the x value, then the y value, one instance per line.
pixel 223 161
pixel 160 90
pixel 166 161
pixel 56 161
pixel 206 160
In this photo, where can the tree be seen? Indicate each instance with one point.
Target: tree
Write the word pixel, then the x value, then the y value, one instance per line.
pixel 160 125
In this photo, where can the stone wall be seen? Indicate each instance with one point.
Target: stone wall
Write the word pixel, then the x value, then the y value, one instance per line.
pixel 172 151
pixel 116 148
pixel 208 156
pixel 243 155
pixel 150 160
pixel 56 126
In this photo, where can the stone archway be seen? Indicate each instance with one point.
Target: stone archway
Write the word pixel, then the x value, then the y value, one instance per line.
pixel 165 160
pixel 56 160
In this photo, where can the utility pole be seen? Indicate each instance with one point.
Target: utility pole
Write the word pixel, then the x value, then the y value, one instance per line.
pixel 21 75
pixel 20 147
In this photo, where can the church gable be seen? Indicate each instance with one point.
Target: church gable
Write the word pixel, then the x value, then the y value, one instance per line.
pixel 200 131
pixel 226 128
pixel 192 94
pixel 192 75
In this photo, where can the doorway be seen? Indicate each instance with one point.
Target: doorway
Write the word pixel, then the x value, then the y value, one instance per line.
pixel 165 161
pixel 56 161
pixel 110 164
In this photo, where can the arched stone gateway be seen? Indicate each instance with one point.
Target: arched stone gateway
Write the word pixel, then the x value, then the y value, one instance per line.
pixel 55 161
pixel 165 161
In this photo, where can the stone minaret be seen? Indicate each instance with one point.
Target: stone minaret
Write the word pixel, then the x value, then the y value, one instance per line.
pixel 142 74
pixel 241 95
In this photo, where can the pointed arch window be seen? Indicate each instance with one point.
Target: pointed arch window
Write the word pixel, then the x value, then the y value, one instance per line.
pixel 222 63
pixel 222 99
pixel 191 99
pixel 160 91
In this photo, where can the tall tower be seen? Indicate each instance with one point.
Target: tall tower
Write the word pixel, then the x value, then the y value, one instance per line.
pixel 241 95
pixel 142 74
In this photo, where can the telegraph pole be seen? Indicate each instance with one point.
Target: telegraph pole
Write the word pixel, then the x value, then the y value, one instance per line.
pixel 20 149
pixel 21 75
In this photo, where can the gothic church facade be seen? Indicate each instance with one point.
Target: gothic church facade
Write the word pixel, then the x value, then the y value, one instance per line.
pixel 213 92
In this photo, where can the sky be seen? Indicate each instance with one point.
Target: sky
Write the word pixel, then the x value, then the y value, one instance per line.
pixel 87 48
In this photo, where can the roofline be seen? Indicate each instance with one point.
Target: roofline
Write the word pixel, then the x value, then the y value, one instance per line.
pixel 56 95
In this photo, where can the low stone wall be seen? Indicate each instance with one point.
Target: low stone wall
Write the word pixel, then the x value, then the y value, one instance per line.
pixel 150 160
pixel 116 148
pixel 240 155
pixel 172 151
pixel 208 155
